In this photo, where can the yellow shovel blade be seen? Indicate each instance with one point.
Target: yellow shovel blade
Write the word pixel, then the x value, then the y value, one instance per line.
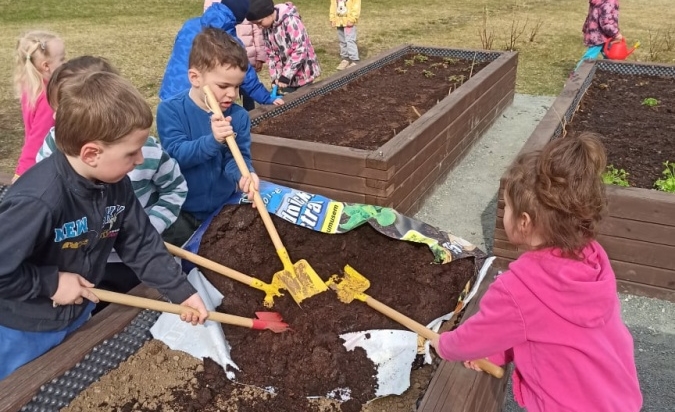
pixel 350 286
pixel 302 282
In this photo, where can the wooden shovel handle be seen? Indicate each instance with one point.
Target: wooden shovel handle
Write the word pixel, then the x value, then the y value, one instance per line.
pixel 145 303
pixel 427 333
pixel 211 265
pixel 243 169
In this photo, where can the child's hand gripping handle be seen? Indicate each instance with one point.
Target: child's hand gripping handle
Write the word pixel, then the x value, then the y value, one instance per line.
pixel 243 169
pixel 484 364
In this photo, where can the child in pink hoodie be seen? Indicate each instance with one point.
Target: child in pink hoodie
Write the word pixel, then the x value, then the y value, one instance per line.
pixel 602 24
pixel 555 313
pixel 290 54
pixel 38 54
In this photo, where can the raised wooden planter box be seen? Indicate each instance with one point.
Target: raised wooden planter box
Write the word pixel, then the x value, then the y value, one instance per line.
pixel 639 233
pixel 452 389
pixel 401 172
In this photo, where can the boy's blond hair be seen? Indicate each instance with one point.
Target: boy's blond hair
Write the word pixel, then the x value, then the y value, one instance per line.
pixel 31 50
pixel 98 107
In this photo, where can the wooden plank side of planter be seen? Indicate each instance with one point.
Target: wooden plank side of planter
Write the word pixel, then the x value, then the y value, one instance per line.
pixel 319 178
pixel 455 388
pixel 311 155
pixel 20 387
pixel 413 138
pixel 334 194
pixel 427 175
pixel 649 291
pixel 642 204
pixel 462 126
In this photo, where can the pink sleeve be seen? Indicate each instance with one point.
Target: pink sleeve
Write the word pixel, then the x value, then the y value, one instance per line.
pixel 37 122
pixel 497 327
pixel 259 43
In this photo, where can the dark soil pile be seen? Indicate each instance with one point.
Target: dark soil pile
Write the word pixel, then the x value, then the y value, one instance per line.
pixel 310 360
pixel 638 137
pixel 369 111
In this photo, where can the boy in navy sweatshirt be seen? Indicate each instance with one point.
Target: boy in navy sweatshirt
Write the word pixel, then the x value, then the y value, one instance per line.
pixel 62 219
pixel 190 135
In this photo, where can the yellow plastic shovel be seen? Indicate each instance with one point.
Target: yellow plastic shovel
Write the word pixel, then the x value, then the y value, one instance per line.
pixel 353 285
pixel 299 279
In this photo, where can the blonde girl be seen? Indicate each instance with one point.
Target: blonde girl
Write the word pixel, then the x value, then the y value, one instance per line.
pixel 38 54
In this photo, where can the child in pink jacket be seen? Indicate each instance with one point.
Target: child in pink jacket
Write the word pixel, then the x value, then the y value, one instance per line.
pixel 555 313
pixel 38 54
pixel 290 54
pixel 252 38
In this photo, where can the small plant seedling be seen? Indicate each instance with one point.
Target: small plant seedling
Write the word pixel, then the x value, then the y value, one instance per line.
pixel 614 176
pixel 420 58
pixel 436 65
pixel 458 78
pixel 667 184
pixel 400 70
pixel 450 60
pixel 650 102
pixel 428 73
pixel 409 62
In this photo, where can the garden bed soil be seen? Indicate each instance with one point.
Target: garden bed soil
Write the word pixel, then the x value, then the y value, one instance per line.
pixel 310 360
pixel 157 378
pixel 307 360
pixel 638 138
pixel 368 112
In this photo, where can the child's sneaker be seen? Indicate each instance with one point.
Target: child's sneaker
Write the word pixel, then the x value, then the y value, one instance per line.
pixel 352 64
pixel 343 65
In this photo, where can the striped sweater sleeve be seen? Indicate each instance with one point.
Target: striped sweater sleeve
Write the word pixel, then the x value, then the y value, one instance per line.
pixel 159 185
pixel 48 147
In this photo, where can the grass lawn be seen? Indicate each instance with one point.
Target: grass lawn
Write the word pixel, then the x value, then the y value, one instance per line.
pixel 137 37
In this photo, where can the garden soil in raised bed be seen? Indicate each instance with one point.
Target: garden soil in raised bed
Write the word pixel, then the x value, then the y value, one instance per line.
pixel 372 109
pixel 309 359
pixel 638 138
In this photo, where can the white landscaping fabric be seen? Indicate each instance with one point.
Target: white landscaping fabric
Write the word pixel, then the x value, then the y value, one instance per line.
pixel 201 341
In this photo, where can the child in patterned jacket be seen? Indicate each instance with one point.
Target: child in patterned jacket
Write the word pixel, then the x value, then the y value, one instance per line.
pixel 344 14
pixel 601 25
pixel 290 54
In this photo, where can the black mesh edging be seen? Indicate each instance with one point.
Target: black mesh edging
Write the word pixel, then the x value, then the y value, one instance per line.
pixel 100 360
pixel 3 191
pixel 480 56
pixel 611 67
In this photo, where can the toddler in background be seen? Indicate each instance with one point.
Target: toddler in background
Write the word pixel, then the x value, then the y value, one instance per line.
pixel 38 54
pixel 602 24
pixel 344 14
pixel 290 54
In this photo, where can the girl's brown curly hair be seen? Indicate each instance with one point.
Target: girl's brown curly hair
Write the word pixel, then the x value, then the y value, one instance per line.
pixel 561 189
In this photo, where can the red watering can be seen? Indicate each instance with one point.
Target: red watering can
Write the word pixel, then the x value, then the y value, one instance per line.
pixel 618 50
